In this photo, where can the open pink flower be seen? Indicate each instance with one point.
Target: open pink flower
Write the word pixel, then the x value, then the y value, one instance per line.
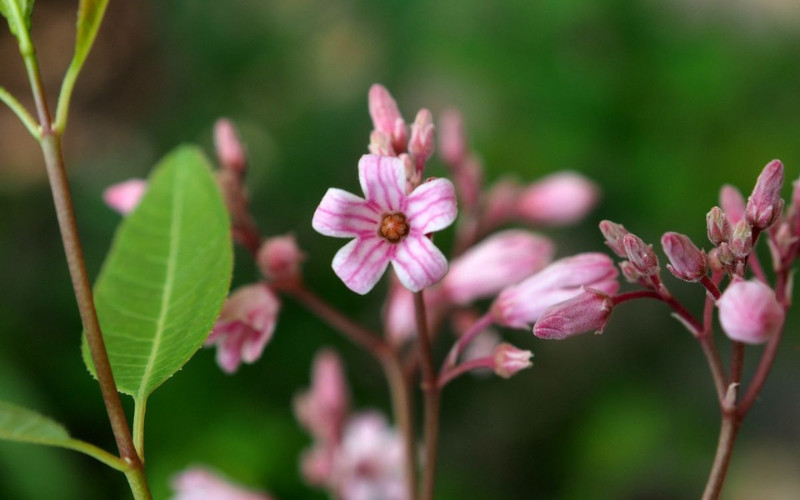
pixel 245 325
pixel 198 483
pixel 388 226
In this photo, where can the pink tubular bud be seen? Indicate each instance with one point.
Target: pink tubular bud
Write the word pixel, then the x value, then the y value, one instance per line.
pixel 687 262
pixel 469 181
pixel 741 242
pixel 641 255
pixel 718 226
pixel 125 196
pixel 558 199
pixel 230 151
pixel 279 258
pixel 614 233
pixel 501 201
pixel 725 255
pixel 452 144
pixel 421 144
pixel 629 271
pixel 386 117
pixel 587 312
pixel 323 408
pixel 749 312
pixel 501 260
pixel 380 144
pixel 713 261
pixel 508 360
pixel 732 203
pixel 765 204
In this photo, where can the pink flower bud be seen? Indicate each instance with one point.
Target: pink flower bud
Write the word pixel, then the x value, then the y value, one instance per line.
pixel 614 233
pixel 501 201
pixel 725 255
pixel 323 408
pixel 687 262
pixel 317 465
pixel 741 242
pixel 244 326
pixel 380 144
pixel 714 262
pixel 501 260
pixel 399 320
pixel 765 204
pixel 386 117
pixel 230 151
pixel 279 258
pixel 629 271
pixel 508 360
pixel 641 255
pixel 198 483
pixel 522 304
pixel 749 312
pixel 718 226
pixel 587 312
pixel 452 144
pixel 561 198
pixel 125 196
pixel 469 181
pixel 732 203
pixel 422 132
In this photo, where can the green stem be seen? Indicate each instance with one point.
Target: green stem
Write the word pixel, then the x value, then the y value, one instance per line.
pixel 138 427
pixel 98 454
pixel 138 484
pixel 21 112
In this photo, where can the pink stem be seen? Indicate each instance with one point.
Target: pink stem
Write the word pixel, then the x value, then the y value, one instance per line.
pixel 453 372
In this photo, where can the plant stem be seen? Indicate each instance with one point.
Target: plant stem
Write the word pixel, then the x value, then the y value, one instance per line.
pixel 715 365
pixel 479 326
pixel 401 404
pixel 431 393
pixel 20 111
pixel 453 372
pixel 727 437
pixel 97 453
pixel 138 484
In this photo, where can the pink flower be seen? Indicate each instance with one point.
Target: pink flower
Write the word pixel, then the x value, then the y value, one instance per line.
pixel 586 312
pixel 323 408
pixel 452 143
pixel 749 312
pixel 279 258
pixel 198 483
pixel 508 360
pixel 687 262
pixel 765 204
pixel 388 226
pixel 501 260
pixel 560 198
pixel 244 326
pixel 732 203
pixel 399 317
pixel 520 305
pixel 125 196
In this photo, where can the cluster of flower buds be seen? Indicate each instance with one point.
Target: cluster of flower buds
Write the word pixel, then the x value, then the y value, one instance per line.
pixel 354 455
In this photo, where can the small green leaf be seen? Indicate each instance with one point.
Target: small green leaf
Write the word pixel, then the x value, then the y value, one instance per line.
pixel 18 14
pixel 21 424
pixel 166 276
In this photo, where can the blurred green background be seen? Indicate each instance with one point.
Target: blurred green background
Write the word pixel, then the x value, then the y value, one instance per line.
pixel 659 102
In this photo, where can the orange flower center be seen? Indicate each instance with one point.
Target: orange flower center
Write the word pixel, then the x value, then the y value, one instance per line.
pixel 394 227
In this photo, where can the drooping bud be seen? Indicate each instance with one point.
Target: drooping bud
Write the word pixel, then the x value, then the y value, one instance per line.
pixel 765 204
pixel 641 255
pixel 587 312
pixel 508 360
pixel 687 262
pixel 558 199
pixel 732 203
pixel 614 233
pixel 279 258
pixel 718 226
pixel 452 144
pixel 230 151
pixel 749 312
pixel 421 144
pixel 125 196
pixel 741 243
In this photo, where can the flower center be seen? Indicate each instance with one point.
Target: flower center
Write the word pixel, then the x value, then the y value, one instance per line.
pixel 394 227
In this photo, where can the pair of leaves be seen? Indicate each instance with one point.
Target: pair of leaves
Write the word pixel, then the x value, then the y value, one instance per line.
pixel 160 289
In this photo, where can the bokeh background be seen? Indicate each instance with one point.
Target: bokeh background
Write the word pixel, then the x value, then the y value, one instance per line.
pixel 660 102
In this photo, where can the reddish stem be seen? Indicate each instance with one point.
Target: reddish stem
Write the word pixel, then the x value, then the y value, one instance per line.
pixel 431 393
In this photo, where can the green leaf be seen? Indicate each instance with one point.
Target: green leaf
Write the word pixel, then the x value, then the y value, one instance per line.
pixel 18 14
pixel 166 276
pixel 21 424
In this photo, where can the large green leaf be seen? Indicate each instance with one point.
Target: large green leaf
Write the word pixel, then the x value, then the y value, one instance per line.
pixel 21 424
pixel 167 275
pixel 18 14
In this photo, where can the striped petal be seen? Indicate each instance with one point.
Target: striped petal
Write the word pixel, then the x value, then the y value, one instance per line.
pixel 345 215
pixel 383 179
pixel 361 263
pixel 432 206
pixel 418 263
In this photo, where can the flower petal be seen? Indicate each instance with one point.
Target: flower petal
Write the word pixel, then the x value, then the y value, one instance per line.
pixel 361 263
pixel 383 179
pixel 344 215
pixel 418 263
pixel 432 206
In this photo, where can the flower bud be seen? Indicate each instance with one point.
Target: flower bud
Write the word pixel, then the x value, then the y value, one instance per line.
pixel 725 255
pixel 687 262
pixel 629 271
pixel 749 312
pixel 741 243
pixel 380 144
pixel 586 312
pixel 641 255
pixel 501 260
pixel 323 408
pixel 713 261
pixel 718 226
pixel 765 204
pixel 501 201
pixel 560 198
pixel 508 360
pixel 386 117
pixel 279 258
pixel 230 151
pixel 732 203
pixel 452 144
pixel 421 144
pixel 613 233
pixel 125 196
pixel 198 483
pixel 469 181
